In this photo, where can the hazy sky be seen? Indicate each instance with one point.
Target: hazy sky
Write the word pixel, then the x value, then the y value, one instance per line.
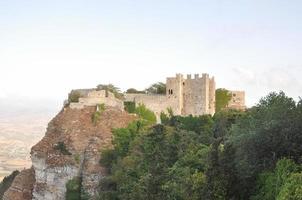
pixel 49 47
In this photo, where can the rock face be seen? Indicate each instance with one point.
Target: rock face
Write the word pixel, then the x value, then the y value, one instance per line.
pixel 22 186
pixel 71 148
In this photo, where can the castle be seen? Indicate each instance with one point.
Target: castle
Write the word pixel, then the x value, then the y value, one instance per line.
pixel 185 96
pixel 190 96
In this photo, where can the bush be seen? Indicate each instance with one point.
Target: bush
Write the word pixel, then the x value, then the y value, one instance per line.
pixel 113 89
pixel 107 157
pixel 145 113
pixel 77 158
pixel 223 97
pixel 73 189
pixel 157 88
pixel 62 148
pixel 96 116
pixel 101 107
pixel 74 97
pixel 129 106
pixel 135 91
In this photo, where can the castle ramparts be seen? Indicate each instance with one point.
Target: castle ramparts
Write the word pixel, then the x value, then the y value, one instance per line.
pixel 185 96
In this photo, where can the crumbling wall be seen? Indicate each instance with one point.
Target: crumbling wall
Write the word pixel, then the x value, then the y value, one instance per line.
pixel 237 101
pixel 98 97
pixel 156 103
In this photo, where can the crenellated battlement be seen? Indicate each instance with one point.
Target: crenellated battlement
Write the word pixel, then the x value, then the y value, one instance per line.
pixel 186 96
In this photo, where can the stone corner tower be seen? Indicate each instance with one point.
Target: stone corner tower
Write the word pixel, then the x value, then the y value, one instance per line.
pixel 191 96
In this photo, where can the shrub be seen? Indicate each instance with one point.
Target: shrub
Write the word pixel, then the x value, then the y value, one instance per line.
pixel 129 106
pixel 73 189
pixel 107 157
pixel 135 91
pixel 223 97
pixel 157 88
pixel 96 116
pixel 62 148
pixel 77 158
pixel 74 96
pixel 113 89
pixel 145 113
pixel 101 107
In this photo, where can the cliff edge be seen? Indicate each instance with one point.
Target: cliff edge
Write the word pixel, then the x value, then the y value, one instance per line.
pixel 70 149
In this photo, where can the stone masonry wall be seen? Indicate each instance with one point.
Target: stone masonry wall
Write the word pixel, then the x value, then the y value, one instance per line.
pixel 237 101
pixel 98 97
pixel 156 103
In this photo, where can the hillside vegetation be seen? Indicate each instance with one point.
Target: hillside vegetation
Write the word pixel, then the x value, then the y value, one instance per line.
pixel 233 155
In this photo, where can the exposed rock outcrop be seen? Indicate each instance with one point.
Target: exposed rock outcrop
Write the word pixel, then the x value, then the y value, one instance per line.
pixel 22 186
pixel 71 148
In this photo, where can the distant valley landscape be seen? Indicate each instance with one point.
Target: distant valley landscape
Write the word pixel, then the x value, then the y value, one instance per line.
pixel 22 124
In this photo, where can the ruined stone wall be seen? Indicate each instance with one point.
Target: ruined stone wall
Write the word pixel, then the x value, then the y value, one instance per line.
pixel 237 101
pixel 98 97
pixel 185 96
pixel 156 103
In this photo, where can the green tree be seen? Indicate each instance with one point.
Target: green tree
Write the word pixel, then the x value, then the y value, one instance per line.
pixel 215 177
pixel 267 132
pixel 135 91
pixel 129 106
pixel 111 88
pixel 157 88
pixel 223 97
pixel 144 113
pixel 292 189
pixel 74 96
pixel 270 183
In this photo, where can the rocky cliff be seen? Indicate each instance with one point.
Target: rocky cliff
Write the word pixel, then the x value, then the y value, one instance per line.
pixel 70 148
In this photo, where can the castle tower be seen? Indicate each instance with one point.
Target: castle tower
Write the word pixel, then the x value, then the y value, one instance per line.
pixel 174 93
pixel 212 96
pixel 198 95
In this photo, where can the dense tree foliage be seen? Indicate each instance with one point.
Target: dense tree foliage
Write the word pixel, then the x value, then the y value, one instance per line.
pixel 111 88
pixel 135 91
pixel 157 88
pixel 74 96
pixel 254 154
pixel 222 98
pixel 280 183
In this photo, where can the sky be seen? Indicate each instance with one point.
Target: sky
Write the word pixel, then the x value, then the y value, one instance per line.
pixel 48 48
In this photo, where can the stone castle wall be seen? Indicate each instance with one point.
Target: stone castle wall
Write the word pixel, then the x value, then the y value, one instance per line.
pixel 185 96
pixel 237 101
pixel 174 93
pixel 98 97
pixel 156 103
pixel 190 96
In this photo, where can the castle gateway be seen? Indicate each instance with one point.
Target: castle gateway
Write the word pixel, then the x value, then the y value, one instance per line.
pixel 185 96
